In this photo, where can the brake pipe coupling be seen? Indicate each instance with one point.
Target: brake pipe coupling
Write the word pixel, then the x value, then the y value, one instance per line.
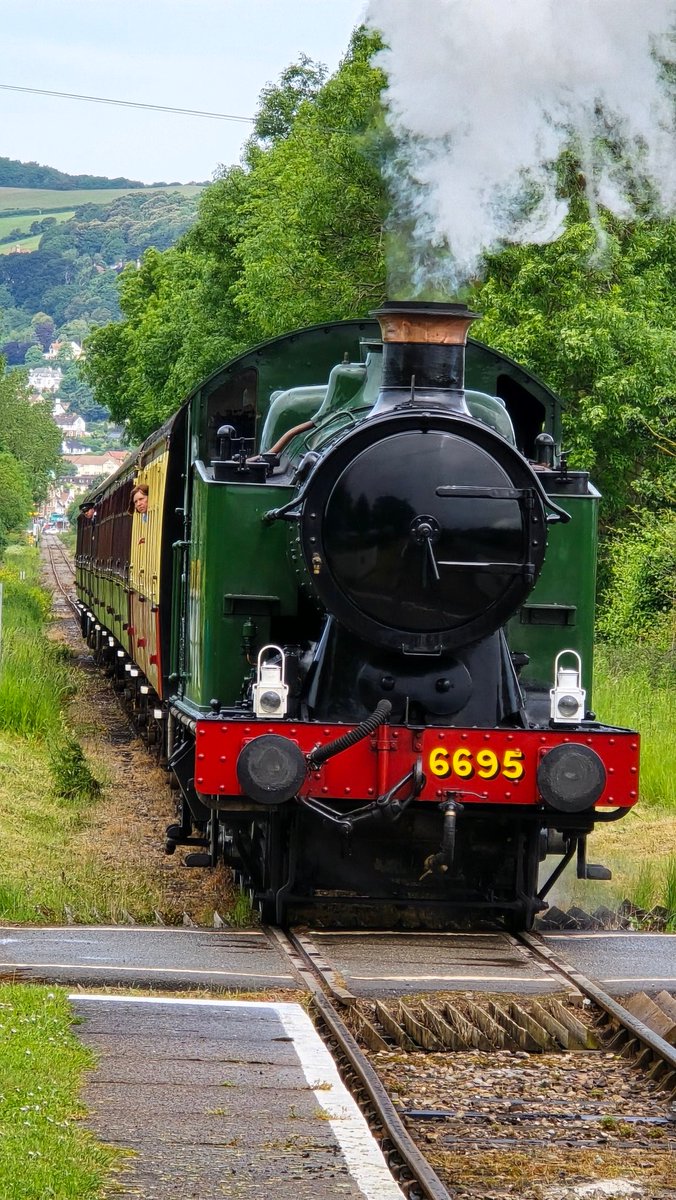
pixel 322 754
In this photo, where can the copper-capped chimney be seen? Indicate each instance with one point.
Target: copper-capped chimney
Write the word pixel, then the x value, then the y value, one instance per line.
pixel 423 354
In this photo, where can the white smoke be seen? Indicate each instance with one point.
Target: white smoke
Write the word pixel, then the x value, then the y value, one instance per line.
pixel 484 95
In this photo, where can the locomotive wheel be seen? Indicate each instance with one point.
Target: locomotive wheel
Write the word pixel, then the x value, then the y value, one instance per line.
pixel 522 918
pixel 267 856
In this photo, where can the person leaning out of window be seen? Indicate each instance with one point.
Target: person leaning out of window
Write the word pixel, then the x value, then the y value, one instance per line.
pixel 139 501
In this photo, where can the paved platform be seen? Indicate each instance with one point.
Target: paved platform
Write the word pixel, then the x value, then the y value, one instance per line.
pixel 225 1099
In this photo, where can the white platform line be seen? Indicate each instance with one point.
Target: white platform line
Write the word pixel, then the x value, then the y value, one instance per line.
pixel 154 929
pixel 362 1154
pixel 449 978
pixel 580 935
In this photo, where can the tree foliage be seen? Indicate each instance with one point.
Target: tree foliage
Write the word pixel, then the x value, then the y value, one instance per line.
pixel 279 102
pixel 601 333
pixel 15 494
pixel 14 173
pixel 641 596
pixel 30 437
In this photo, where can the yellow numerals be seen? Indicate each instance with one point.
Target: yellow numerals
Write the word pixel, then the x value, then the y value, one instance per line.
pixel 464 763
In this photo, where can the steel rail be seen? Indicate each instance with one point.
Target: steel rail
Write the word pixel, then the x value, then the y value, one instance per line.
pixel 660 1049
pixel 64 592
pixel 408 1165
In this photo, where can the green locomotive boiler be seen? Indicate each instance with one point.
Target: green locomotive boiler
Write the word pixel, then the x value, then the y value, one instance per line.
pixel 357 617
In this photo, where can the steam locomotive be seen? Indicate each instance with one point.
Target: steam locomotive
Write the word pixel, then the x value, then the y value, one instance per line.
pixel 357 621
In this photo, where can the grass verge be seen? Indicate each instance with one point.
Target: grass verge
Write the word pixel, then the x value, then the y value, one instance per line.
pixel 635 689
pixel 44 1150
pixel 82 813
pixel 52 867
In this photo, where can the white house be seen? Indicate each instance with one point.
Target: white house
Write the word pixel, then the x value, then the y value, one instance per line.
pixel 71 424
pixel 74 349
pixel 45 379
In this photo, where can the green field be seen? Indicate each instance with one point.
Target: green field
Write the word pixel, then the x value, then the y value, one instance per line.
pixel 7 224
pixel 30 243
pixel 48 199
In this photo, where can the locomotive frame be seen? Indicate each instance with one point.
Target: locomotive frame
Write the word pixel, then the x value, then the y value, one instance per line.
pixel 407 762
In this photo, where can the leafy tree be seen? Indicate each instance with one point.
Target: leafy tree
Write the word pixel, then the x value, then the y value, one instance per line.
pixel 75 330
pixel 291 236
pixel 124 229
pixel 14 173
pixel 14 349
pixel 602 335
pixel 279 103
pixel 15 495
pixel 28 276
pixel 641 597
pixel 34 357
pixel 43 327
pixel 28 434
pixel 163 316
pixel 12 320
pixel 310 245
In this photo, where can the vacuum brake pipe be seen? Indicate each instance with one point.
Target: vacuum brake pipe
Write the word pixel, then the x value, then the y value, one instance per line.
pixel 321 754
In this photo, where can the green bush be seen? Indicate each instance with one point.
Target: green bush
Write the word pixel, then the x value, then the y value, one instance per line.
pixel 72 776
pixel 35 679
pixel 640 602
pixel 23 606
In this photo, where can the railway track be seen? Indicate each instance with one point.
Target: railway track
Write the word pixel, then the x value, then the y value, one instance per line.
pixel 461 1092
pixel 60 564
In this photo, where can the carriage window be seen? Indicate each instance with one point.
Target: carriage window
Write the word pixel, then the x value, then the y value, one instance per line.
pixel 232 402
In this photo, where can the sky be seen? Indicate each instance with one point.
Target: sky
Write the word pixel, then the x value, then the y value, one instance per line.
pixel 211 55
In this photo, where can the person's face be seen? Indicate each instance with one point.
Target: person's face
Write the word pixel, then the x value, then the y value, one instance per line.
pixel 140 502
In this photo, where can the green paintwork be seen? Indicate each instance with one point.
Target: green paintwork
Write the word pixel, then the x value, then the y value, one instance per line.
pixel 353 390
pixel 232 554
pixel 568 579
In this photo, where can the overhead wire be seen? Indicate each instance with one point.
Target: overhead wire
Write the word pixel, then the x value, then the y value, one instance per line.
pixel 185 112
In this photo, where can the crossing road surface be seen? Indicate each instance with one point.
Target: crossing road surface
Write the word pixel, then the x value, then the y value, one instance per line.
pixel 621 962
pixel 368 964
pixel 141 956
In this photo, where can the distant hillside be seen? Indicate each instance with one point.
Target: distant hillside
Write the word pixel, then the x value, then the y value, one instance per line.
pixel 59 269
pixel 34 175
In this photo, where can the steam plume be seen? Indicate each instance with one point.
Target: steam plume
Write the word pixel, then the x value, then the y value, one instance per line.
pixel 483 96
